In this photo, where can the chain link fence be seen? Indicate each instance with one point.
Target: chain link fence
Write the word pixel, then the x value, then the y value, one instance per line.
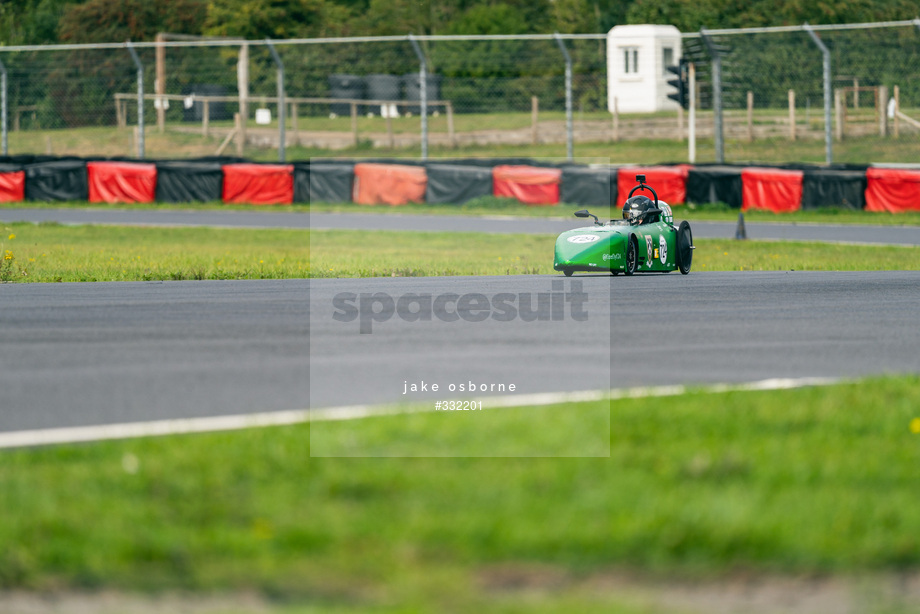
pixel 841 94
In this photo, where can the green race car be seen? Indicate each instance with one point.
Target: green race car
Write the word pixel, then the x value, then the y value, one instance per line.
pixel 644 241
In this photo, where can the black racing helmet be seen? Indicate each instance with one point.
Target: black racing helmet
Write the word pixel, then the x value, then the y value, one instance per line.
pixel 636 206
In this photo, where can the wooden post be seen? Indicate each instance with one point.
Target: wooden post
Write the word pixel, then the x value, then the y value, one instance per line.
pixel 534 113
pixel 691 133
pixel 750 116
pixel 119 114
pixel 390 142
pixel 897 109
pixel 838 112
pixel 451 136
pixel 240 134
pixel 855 93
pixel 205 117
pixel 883 110
pixel 160 81
pixel 294 121
pixel 791 115
pixel 616 120
pixel 242 86
pixel 354 123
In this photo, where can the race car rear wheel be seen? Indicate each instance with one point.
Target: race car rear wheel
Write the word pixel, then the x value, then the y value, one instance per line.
pixel 632 256
pixel 568 272
pixel 684 247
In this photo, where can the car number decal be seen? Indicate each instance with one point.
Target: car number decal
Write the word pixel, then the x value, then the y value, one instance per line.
pixel 583 238
pixel 663 249
pixel 648 250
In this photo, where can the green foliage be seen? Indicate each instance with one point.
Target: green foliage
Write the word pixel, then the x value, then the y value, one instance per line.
pixel 30 22
pixel 256 19
pixel 98 21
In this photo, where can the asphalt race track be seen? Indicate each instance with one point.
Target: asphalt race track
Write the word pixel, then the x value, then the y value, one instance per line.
pixel 891 235
pixel 98 353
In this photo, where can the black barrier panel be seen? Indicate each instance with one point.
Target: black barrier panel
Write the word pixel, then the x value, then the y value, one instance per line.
pixel 834 188
pixel 455 184
pixel 189 181
pixel 9 168
pixel 331 183
pixel 301 182
pixel 63 179
pixel 713 184
pixel 590 187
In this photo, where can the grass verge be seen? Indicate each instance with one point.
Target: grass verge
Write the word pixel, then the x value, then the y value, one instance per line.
pixel 490 205
pixel 56 253
pixel 808 481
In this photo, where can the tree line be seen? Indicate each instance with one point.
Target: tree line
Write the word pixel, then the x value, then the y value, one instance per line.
pixel 39 22
pixel 77 88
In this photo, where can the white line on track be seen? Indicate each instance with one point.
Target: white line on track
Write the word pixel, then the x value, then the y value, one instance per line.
pixel 158 428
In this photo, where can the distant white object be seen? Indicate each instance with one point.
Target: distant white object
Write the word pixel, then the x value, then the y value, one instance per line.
pixel 891 108
pixel 188 102
pixel 388 110
pixel 332 116
pixel 160 103
pixel 637 57
pixel 263 116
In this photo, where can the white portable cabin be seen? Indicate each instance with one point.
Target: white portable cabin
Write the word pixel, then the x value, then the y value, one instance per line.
pixel 636 60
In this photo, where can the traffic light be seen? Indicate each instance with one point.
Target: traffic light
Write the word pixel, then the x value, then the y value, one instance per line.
pixel 681 83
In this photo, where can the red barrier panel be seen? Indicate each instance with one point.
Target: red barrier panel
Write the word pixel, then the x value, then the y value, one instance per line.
pixel 529 184
pixel 669 182
pixel 121 182
pixel 390 184
pixel 13 187
pixel 892 190
pixel 258 184
pixel 771 189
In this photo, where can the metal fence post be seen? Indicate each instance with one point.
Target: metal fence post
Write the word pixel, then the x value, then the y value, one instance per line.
pixel 3 115
pixel 282 118
pixel 140 99
pixel 716 94
pixel 827 90
pixel 422 93
pixel 569 132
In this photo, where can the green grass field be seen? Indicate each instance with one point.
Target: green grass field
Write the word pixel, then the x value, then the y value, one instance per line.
pixel 814 481
pixel 56 253
pixel 506 207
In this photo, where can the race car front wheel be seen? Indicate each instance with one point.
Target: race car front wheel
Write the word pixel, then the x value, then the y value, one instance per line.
pixel 684 247
pixel 632 256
